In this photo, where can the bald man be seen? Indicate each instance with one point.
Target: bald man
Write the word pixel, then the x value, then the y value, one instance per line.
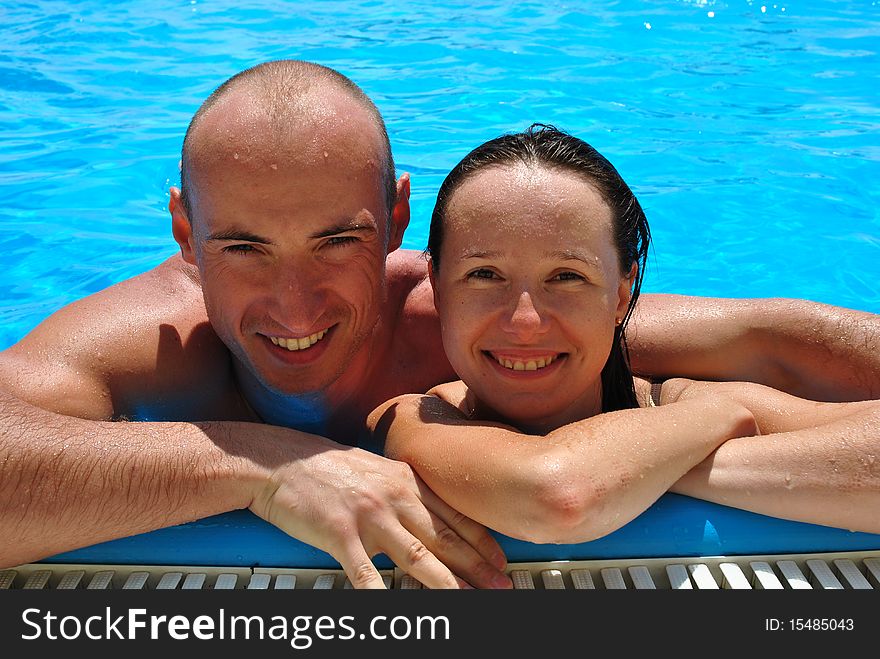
pixel 250 360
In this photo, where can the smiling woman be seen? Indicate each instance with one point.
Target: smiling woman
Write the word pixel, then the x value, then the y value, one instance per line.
pixel 536 250
pixel 538 267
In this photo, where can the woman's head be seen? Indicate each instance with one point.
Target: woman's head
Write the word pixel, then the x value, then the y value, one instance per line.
pixel 537 251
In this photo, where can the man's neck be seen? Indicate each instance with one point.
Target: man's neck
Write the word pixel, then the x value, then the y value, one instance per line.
pixel 336 413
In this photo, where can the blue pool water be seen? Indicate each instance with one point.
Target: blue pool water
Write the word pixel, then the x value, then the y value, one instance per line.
pixel 748 130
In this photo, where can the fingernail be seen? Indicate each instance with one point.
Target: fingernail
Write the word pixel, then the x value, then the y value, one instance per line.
pixel 499 560
pixel 502 581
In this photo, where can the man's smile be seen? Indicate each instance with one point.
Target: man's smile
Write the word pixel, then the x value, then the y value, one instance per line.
pixel 298 343
pixel 299 350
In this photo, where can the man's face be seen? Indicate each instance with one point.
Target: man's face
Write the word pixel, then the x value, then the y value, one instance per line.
pixel 290 235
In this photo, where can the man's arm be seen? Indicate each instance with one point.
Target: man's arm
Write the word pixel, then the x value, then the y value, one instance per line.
pixel 68 482
pixel 814 462
pixel 811 350
pixel 70 477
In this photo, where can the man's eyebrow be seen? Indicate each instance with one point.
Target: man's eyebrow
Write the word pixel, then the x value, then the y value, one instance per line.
pixel 346 227
pixel 239 234
pixel 247 236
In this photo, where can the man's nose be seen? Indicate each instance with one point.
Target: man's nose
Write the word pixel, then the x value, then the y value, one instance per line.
pixel 299 299
pixel 525 321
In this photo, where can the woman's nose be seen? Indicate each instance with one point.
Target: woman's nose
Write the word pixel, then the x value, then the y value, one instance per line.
pixel 525 321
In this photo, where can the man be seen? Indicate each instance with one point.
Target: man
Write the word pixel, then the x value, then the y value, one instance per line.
pixel 291 305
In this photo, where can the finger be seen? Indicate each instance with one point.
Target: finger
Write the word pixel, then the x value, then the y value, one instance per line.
pixel 412 556
pixel 483 569
pixel 461 557
pixel 360 569
pixel 473 533
pixel 431 541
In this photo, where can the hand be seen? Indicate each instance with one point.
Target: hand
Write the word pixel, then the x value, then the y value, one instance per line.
pixel 354 504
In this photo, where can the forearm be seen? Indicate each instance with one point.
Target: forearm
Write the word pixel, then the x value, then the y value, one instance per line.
pixel 808 349
pixel 826 475
pixel 578 483
pixel 67 482
pixel 635 456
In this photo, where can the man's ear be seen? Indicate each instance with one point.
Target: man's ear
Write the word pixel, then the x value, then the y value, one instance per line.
pixel 400 214
pixel 181 227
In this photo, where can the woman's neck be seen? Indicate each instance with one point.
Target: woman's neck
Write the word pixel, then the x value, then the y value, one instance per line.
pixel 584 408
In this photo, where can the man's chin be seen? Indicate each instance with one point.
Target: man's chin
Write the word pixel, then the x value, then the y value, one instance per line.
pixel 312 386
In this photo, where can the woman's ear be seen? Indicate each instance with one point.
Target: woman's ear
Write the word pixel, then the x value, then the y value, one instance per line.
pixel 431 278
pixel 625 290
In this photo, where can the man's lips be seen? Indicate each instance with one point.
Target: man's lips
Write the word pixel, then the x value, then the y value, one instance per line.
pixel 298 343
pixel 299 349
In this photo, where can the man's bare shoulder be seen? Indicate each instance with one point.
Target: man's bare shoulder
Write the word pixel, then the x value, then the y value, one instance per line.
pixel 145 338
pixel 410 289
pixel 167 294
pixel 415 347
pixel 410 296
pixel 406 269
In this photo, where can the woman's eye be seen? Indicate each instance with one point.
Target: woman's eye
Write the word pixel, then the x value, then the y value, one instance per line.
pixel 569 276
pixel 482 273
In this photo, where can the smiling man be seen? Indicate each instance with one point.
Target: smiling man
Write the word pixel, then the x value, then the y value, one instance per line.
pixel 239 373
pixel 289 305
pixel 289 211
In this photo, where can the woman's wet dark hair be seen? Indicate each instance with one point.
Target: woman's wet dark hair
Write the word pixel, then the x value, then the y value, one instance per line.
pixel 547 146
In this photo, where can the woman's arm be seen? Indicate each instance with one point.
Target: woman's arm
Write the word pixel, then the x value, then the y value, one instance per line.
pixel 578 483
pixel 816 462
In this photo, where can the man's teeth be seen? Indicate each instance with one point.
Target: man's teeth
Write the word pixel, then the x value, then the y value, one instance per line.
pixel 298 344
pixel 528 365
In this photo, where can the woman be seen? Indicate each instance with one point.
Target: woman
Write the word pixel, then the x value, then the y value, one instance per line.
pixel 537 249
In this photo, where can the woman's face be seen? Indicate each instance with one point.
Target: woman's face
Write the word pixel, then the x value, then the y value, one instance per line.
pixel 529 290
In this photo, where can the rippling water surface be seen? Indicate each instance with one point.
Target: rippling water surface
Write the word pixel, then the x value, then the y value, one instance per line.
pixel 749 131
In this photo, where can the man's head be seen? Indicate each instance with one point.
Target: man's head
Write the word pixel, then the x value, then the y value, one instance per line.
pixel 281 89
pixel 289 208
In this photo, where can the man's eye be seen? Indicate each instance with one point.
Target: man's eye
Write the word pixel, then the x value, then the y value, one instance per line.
pixel 239 249
pixel 337 241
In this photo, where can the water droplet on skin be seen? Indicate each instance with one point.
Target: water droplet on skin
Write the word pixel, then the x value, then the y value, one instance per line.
pixel 235 155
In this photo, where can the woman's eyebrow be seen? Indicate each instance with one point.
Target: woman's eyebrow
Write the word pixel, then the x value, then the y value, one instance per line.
pixel 480 254
pixel 572 255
